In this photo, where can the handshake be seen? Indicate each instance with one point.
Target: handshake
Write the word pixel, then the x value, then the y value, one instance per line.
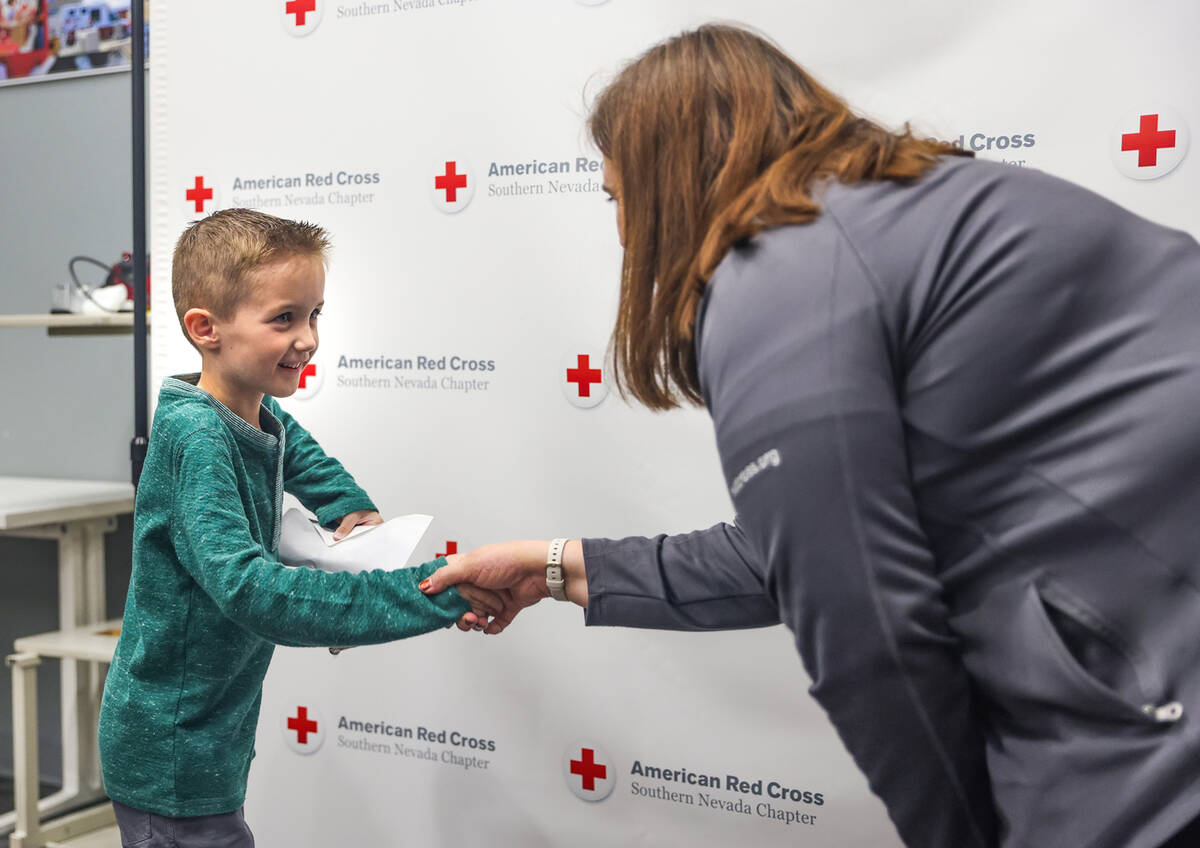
pixel 500 580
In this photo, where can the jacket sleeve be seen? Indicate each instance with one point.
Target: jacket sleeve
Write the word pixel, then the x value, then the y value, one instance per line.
pixel 799 375
pixel 706 580
pixel 318 480
pixel 289 606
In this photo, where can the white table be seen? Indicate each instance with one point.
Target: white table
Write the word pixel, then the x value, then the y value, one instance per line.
pixel 94 644
pixel 76 514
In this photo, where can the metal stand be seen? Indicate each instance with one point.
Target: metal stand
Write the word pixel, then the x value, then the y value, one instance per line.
pixel 141 425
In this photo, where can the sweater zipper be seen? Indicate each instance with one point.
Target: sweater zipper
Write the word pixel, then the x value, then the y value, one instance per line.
pixel 278 505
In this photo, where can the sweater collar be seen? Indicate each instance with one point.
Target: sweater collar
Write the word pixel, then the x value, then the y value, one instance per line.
pixel 184 385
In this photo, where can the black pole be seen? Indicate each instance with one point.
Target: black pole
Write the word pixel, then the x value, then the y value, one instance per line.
pixel 141 407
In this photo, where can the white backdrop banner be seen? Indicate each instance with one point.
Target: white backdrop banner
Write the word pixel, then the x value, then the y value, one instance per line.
pixel 461 374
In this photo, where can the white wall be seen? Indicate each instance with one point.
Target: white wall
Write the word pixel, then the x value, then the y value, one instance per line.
pixel 527 281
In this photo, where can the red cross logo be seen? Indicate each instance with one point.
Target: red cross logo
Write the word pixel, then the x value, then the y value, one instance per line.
pixel 583 376
pixel 310 370
pixel 450 182
pixel 584 387
pixel 588 769
pixel 587 776
pixel 300 8
pixel 303 725
pixel 1147 141
pixel 451 548
pixel 198 194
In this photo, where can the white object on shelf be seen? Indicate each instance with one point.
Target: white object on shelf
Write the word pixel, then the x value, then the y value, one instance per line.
pixel 97 300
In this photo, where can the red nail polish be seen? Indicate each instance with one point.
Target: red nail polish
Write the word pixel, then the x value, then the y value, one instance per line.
pixel 425 585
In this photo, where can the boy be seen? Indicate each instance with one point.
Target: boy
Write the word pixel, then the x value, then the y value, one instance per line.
pixel 208 598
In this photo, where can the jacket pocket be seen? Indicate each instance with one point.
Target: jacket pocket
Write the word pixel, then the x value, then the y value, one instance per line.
pixel 1105 668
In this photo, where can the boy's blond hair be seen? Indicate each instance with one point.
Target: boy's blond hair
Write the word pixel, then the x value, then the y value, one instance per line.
pixel 215 255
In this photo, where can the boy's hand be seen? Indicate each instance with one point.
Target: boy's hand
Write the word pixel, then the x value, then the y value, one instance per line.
pixel 349 522
pixel 469 621
pixel 485 604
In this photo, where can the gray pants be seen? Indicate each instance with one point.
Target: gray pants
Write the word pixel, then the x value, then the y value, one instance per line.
pixel 140 829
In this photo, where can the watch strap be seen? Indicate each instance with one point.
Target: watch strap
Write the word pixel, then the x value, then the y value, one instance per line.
pixel 555 580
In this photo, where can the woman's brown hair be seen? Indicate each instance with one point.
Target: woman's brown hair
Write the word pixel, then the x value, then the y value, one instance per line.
pixel 716 135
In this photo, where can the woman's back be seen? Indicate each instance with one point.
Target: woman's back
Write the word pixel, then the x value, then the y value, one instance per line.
pixel 992 378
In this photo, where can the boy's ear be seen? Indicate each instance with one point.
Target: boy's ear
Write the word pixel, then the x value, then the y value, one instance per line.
pixel 201 329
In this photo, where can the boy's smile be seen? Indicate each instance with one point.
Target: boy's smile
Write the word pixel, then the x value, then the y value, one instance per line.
pixel 263 347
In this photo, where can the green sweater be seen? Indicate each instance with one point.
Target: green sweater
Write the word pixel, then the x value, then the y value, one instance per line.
pixel 209 600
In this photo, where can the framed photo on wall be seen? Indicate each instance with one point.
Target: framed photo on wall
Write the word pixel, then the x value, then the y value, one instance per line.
pixel 50 39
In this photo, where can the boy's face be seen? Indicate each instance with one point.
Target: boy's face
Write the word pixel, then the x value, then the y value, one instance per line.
pixel 272 334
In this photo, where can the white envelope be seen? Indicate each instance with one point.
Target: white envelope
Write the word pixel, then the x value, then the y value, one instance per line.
pixel 304 542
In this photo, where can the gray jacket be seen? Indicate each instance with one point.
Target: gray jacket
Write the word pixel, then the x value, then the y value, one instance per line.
pixel 960 421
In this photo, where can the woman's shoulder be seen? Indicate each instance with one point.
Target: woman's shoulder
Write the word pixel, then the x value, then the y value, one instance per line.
pixel 954 184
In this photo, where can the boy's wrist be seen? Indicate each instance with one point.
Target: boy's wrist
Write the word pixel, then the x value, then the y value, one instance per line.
pixel 342 506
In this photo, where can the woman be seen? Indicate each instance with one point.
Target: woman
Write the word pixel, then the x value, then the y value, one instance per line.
pixel 955 404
